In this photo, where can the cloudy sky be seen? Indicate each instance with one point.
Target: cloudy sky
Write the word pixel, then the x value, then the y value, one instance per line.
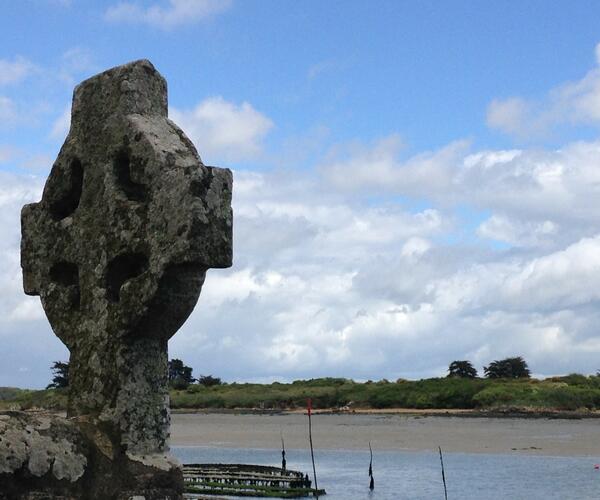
pixel 414 182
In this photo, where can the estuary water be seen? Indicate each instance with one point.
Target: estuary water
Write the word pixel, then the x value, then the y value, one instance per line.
pixel 416 475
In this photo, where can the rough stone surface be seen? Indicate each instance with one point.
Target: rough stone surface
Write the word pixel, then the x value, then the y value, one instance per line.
pixel 41 452
pixel 44 456
pixel 117 249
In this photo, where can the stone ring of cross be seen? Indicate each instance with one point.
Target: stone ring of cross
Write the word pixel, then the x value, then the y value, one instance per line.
pixel 130 218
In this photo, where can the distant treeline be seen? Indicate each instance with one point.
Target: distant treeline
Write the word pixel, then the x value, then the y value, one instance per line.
pixel 571 392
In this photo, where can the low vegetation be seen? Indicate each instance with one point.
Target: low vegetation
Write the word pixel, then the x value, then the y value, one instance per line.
pixel 507 385
pixel 571 392
pixel 24 399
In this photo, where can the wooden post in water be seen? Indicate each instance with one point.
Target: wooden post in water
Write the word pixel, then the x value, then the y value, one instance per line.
pixel 372 481
pixel 283 462
pixel 312 454
pixel 443 473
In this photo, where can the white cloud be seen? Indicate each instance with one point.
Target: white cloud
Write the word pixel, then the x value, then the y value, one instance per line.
pixel 415 247
pixel 223 130
pixel 37 162
pixel 569 104
pixel 328 283
pixel 18 112
pixel 15 191
pixel 377 167
pixel 15 71
pixel 544 196
pixel 562 280
pixel 364 266
pixel 559 280
pixel 516 232
pixel 515 116
pixel 168 15
pixel 7 153
pixel 60 126
pixel 25 333
pixel 75 63
pixel 8 112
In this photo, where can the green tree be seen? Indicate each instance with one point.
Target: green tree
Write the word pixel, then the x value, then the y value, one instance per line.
pixel 209 380
pixel 462 369
pixel 180 375
pixel 60 378
pixel 508 368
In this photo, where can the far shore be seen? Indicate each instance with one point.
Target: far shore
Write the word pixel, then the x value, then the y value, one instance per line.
pixel 401 430
pixel 528 413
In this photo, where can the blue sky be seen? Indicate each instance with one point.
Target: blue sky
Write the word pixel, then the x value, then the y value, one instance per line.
pixel 415 182
pixel 426 69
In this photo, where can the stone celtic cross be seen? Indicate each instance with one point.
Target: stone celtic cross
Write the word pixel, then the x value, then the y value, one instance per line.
pixel 117 249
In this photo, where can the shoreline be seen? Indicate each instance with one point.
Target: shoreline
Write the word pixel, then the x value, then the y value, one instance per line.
pixel 511 413
pixel 389 432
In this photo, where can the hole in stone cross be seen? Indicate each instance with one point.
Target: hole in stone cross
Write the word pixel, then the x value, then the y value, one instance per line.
pixel 66 204
pixel 123 165
pixel 121 269
pixel 66 274
pixel 200 187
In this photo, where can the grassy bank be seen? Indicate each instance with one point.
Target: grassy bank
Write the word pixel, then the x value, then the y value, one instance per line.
pixel 572 392
pixel 24 399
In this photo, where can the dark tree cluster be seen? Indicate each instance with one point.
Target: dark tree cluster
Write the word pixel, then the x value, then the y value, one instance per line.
pixel 462 369
pixel 209 380
pixel 508 368
pixel 504 368
pixel 60 378
pixel 180 375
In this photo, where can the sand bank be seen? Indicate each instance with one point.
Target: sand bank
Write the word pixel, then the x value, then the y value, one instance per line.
pixel 390 432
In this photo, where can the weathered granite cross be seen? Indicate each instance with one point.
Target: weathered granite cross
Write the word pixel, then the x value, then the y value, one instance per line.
pixel 117 249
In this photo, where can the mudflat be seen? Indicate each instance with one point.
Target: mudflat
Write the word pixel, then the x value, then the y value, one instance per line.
pixel 548 437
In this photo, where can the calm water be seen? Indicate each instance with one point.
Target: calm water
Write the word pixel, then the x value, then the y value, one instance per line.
pixel 416 475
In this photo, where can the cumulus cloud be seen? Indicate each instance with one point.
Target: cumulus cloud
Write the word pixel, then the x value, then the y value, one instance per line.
pixel 60 126
pixel 291 294
pixel 338 271
pixel 9 115
pixel 539 196
pixel 328 283
pixel 15 71
pixel 7 153
pixel 167 15
pixel 224 130
pixel 517 232
pixel 377 167
pixel 24 331
pixel 573 103
pixel 75 63
pixel 323 281
pixel 516 116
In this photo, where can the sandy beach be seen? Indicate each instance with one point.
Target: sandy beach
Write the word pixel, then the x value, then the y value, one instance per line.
pixel 390 432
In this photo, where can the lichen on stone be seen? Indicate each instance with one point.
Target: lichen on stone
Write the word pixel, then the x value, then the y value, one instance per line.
pixel 41 445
